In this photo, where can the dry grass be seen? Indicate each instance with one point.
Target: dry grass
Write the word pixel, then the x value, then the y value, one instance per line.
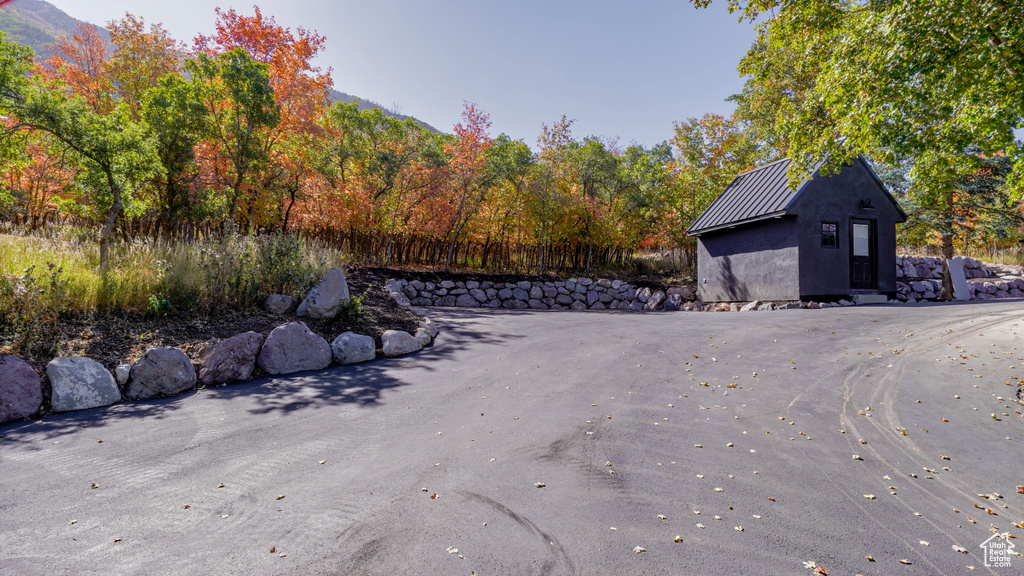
pixel 42 279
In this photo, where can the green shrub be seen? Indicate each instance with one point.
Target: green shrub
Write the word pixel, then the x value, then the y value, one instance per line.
pixel 159 305
pixel 283 267
pixel 30 307
pixel 351 310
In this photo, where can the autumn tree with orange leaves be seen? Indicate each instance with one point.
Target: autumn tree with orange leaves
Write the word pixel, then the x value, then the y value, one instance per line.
pixel 80 68
pixel 299 92
pixel 468 178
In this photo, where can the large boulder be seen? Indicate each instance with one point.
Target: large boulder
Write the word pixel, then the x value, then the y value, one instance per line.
pixel 654 302
pixel 231 359
pixel 467 301
pixel 352 348
pixel 294 348
pixel 397 343
pixel 279 303
pixel 326 299
pixel 77 383
pixel 673 302
pixel 21 389
pixel 161 371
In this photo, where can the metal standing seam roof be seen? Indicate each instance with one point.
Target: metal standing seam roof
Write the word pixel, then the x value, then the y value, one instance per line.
pixel 758 194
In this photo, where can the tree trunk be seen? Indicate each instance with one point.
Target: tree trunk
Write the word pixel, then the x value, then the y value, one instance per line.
pixel 236 193
pixel 457 230
pixel 287 213
pixel 108 227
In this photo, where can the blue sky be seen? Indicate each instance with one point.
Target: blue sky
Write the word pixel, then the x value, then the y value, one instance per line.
pixel 621 69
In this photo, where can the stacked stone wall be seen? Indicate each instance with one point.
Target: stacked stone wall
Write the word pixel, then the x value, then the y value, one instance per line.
pixel 570 294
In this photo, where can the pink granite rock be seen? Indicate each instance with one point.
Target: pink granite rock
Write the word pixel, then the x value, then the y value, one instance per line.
pixel 21 389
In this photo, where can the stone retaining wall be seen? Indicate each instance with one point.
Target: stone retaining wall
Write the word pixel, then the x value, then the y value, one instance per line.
pixel 920 278
pixel 571 294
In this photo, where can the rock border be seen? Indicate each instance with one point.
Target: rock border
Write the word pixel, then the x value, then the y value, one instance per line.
pixel 236 358
pixel 919 278
pixel 569 294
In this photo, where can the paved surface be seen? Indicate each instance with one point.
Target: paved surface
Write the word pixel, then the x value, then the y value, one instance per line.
pixel 604 409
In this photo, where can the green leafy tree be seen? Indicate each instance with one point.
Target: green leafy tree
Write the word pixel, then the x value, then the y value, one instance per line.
pixel 510 165
pixel 179 121
pixel 710 152
pixel 236 92
pixel 115 153
pixel 895 79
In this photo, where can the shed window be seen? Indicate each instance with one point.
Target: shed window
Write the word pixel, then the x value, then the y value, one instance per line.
pixel 829 235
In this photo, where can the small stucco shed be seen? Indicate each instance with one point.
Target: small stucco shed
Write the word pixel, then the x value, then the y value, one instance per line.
pixel 831 237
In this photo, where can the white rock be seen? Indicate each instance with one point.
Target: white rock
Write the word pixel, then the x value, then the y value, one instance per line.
pixel 121 373
pixel 397 343
pixel 423 337
pixel 430 326
pixel 326 299
pixel 294 348
pixel 78 383
pixel 352 348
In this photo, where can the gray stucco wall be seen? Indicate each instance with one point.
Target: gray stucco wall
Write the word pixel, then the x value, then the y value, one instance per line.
pixel 756 261
pixel 837 198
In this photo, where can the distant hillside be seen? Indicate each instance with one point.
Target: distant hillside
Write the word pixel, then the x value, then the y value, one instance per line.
pixel 37 24
pixel 335 96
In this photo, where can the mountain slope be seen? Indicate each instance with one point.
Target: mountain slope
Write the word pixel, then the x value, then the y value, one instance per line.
pixel 37 24
pixel 336 96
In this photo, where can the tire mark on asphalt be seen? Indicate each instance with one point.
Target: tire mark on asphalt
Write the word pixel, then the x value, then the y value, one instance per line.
pixel 883 391
pixel 557 561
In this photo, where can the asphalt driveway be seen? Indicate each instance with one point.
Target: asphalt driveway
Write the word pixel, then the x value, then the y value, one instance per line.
pixel 858 438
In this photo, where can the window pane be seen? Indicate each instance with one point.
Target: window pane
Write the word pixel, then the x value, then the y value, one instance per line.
pixel 828 234
pixel 861 245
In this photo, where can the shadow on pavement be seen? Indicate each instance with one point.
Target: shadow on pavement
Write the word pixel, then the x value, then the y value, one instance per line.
pixel 359 384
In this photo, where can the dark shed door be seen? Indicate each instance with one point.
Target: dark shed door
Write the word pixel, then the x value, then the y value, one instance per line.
pixel 862 254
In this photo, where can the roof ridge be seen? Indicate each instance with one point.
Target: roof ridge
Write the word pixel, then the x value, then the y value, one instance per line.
pixel 763 166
